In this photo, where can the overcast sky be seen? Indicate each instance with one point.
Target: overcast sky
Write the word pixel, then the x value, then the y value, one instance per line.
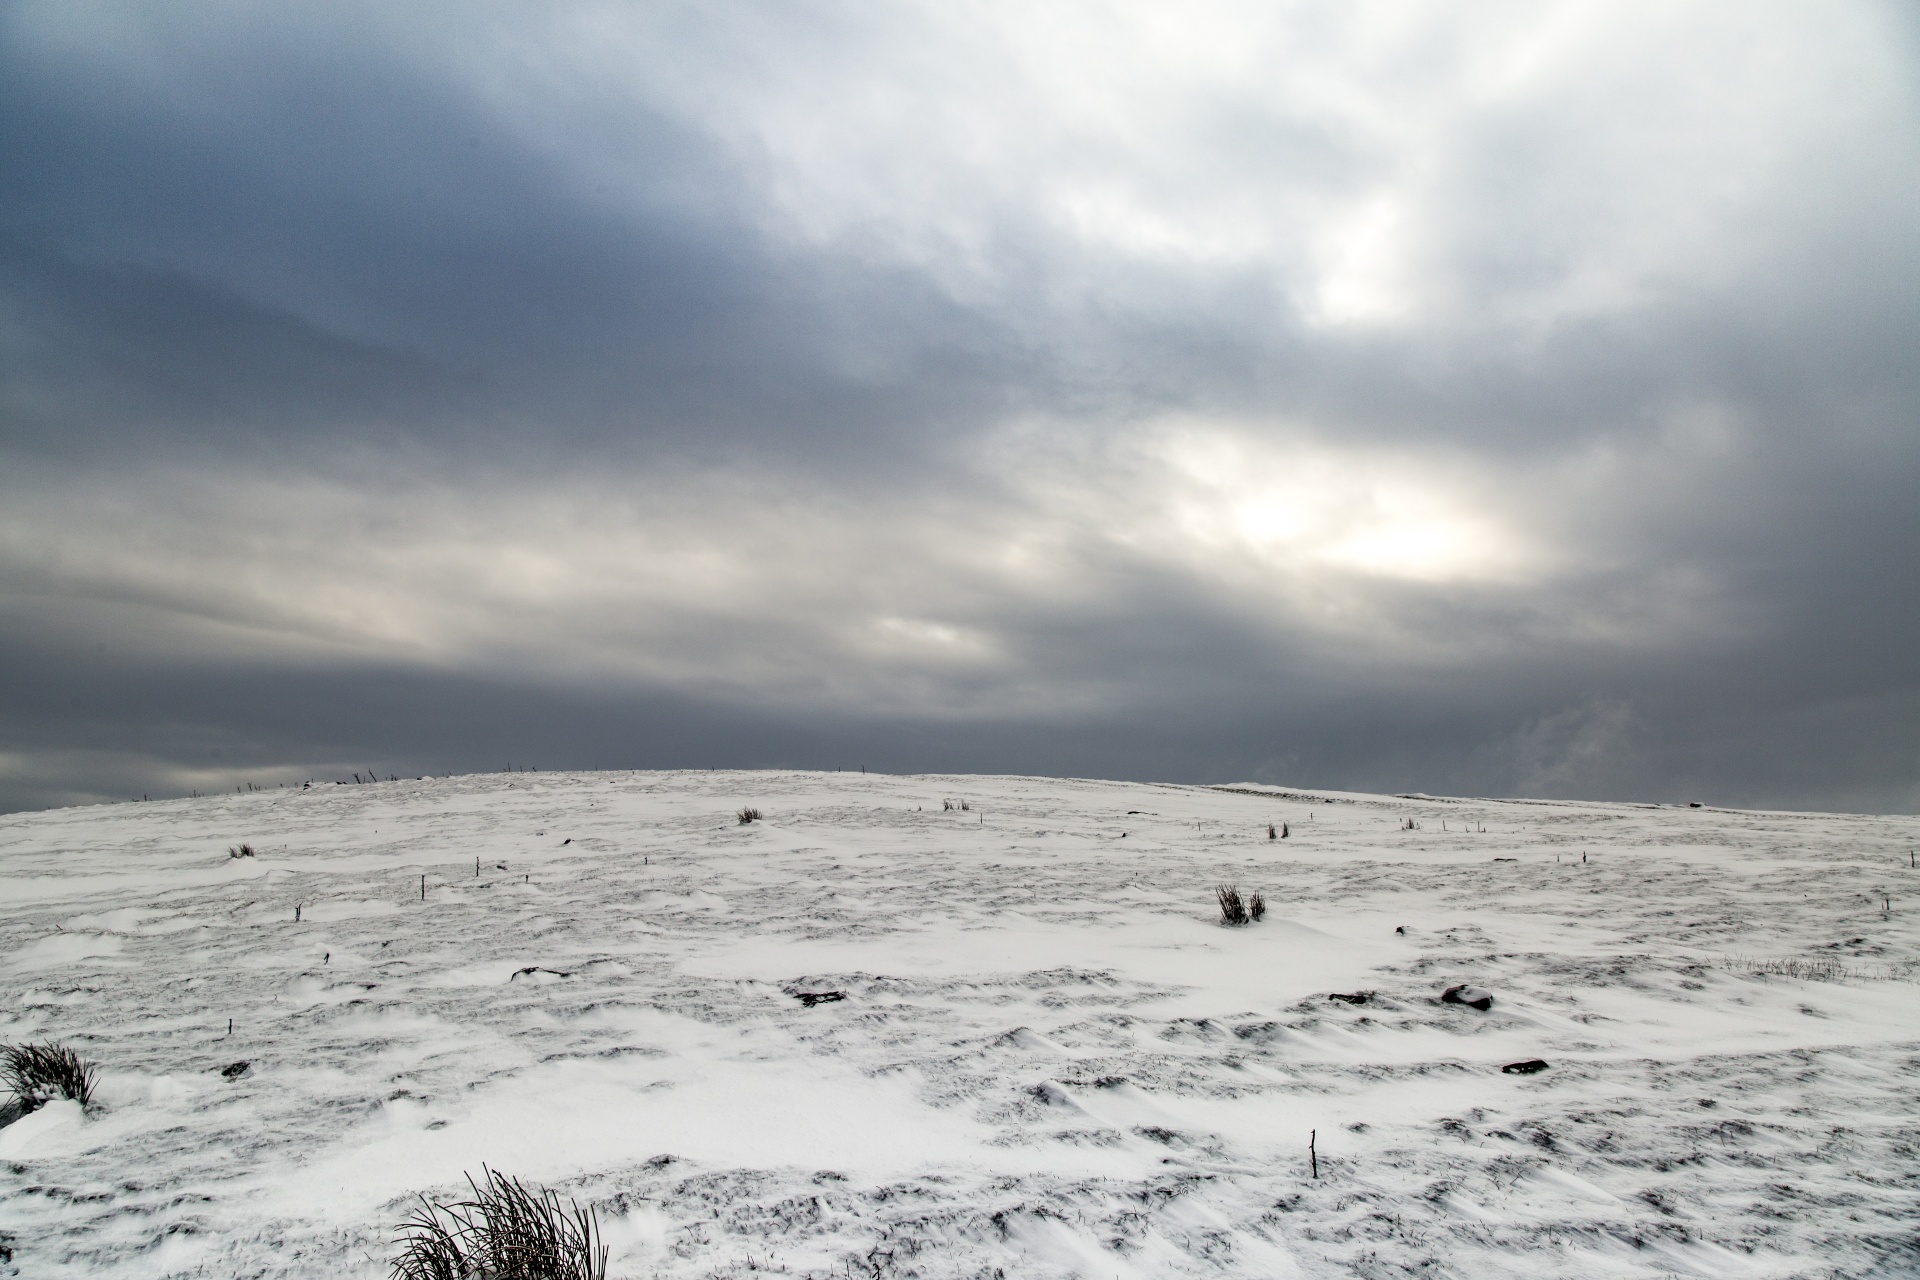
pixel 1500 399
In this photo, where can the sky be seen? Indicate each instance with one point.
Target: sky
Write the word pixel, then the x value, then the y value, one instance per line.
pixel 1505 399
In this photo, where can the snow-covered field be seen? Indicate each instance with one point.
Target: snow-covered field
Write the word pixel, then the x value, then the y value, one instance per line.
pixel 1051 1059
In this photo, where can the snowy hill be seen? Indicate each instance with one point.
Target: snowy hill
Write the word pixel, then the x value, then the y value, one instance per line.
pixel 1028 1046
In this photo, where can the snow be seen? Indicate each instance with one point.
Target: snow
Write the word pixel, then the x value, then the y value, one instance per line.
pixel 1051 1059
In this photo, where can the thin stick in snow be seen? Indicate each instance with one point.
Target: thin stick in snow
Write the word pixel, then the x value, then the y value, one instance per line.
pixel 1313 1153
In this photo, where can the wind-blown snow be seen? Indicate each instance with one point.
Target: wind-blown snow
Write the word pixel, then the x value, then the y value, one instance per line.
pixel 1051 1059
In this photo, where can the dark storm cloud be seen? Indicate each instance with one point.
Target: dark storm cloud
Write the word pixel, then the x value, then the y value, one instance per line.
pixel 283 230
pixel 1508 403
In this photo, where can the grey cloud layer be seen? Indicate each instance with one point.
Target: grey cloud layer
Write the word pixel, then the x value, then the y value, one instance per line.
pixel 1520 401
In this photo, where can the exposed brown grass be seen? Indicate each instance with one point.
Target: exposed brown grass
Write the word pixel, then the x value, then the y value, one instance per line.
pixel 39 1073
pixel 505 1232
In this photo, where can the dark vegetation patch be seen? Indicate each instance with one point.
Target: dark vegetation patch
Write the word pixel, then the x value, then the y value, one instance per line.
pixel 507 1231
pixel 812 998
pixel 39 1073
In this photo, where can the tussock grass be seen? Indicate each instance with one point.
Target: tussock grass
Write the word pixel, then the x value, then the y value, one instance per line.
pixel 505 1232
pixel 1233 910
pixel 750 815
pixel 1256 907
pixel 1814 969
pixel 39 1073
pixel 240 851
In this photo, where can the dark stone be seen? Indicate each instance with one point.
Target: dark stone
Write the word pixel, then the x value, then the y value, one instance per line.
pixel 1471 996
pixel 1532 1066
pixel 1350 997
pixel 233 1071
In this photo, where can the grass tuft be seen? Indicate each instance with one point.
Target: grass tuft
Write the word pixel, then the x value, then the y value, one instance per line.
pixel 505 1232
pixel 1232 909
pixel 750 815
pixel 240 851
pixel 1816 969
pixel 39 1073
pixel 1256 907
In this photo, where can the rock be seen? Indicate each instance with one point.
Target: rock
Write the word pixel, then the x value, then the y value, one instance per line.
pixel 1350 997
pixel 536 974
pixel 1468 994
pixel 1532 1066
pixel 234 1070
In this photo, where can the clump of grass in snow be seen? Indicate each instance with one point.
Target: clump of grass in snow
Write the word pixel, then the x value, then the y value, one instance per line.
pixel 505 1232
pixel 1232 909
pixel 39 1073
pixel 750 815
pixel 240 851
pixel 1818 969
pixel 1256 907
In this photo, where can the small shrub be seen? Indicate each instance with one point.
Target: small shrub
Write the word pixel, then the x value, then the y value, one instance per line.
pixel 750 815
pixel 506 1232
pixel 1232 909
pixel 240 851
pixel 946 804
pixel 812 998
pixel 1256 907
pixel 39 1073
